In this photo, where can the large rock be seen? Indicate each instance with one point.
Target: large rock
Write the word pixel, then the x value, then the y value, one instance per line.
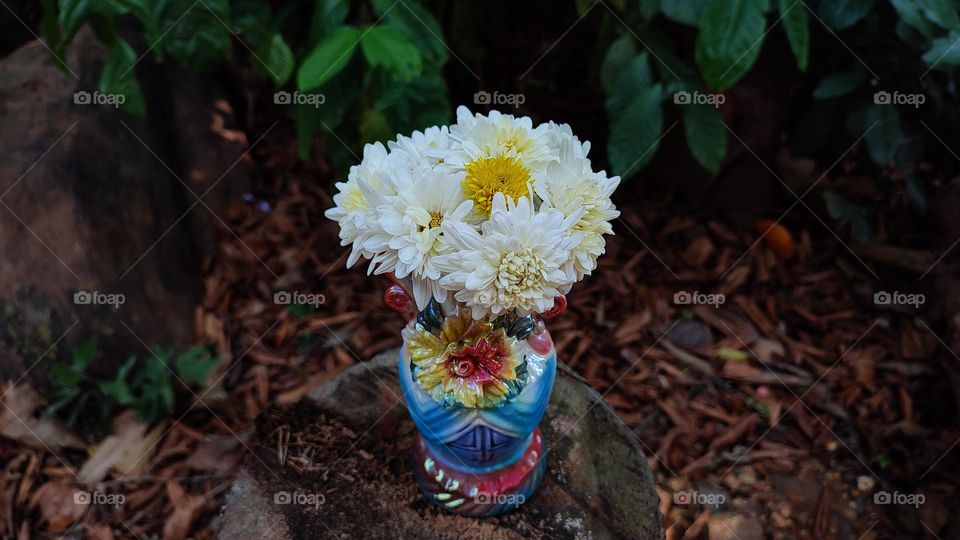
pixel 337 466
pixel 89 204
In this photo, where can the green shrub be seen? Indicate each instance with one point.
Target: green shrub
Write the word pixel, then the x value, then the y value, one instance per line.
pixel 377 64
pixel 148 387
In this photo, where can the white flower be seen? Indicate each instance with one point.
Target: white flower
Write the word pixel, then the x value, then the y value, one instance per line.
pixel 558 134
pixel 432 146
pixel 499 153
pixel 357 198
pixel 409 236
pixel 571 187
pixel 517 263
pixel 496 135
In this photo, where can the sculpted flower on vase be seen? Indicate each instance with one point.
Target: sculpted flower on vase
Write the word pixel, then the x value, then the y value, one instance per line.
pixel 469 363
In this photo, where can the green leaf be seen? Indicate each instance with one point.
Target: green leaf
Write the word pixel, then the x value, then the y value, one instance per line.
pixel 944 52
pixel 842 14
pixel 143 11
pixel 706 135
pixel 411 106
pixel 83 355
pixel 65 375
pixel 635 134
pixel 839 84
pixel 385 47
pixel 846 213
pixel 73 13
pixel 729 41
pixel 328 17
pixel 197 35
pixel 796 24
pixel 117 78
pixel 913 15
pixel 884 136
pixel 683 11
pixel 940 12
pixel 374 126
pixel 277 59
pixel 634 78
pixel 417 24
pixel 195 364
pixel 329 57
pixel 618 57
pixel 252 19
pixel 339 93
pixel 51 33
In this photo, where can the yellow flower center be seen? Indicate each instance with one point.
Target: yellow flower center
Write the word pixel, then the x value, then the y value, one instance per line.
pixel 488 176
pixel 519 271
pixel 436 218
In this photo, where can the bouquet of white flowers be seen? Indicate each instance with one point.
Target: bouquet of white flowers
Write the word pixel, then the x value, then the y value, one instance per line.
pixel 498 214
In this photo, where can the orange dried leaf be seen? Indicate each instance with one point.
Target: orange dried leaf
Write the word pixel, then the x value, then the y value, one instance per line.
pixel 778 238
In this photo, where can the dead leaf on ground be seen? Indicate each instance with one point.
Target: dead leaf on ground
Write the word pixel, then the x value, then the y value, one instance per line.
pixel 128 450
pixel 19 420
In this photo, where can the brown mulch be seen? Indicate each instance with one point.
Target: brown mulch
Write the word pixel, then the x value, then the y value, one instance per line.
pixel 796 399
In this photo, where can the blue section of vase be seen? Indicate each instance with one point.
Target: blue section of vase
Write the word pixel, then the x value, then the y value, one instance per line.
pixel 482 440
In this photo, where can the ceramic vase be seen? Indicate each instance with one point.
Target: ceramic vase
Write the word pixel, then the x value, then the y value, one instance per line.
pixel 477 391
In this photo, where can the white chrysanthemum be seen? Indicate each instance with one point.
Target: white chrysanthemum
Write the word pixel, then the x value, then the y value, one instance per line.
pixel 432 146
pixel 357 199
pixel 517 263
pixel 499 154
pixel 558 134
pixel 573 188
pixel 409 236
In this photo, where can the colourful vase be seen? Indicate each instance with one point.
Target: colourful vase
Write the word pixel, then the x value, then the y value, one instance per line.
pixel 476 391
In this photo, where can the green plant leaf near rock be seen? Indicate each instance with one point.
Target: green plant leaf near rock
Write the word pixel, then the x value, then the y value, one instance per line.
pixel 616 61
pixel 635 77
pixel 635 134
pixel 839 84
pixel 706 135
pixel 118 79
pixel 277 59
pixel 944 53
pixel 796 24
pixel 328 58
pixel 683 11
pixel 415 23
pixel 385 47
pixel 883 122
pixel 842 14
pixel 729 41
pixel 197 35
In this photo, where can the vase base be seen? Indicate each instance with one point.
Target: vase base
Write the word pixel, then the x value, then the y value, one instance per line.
pixel 461 490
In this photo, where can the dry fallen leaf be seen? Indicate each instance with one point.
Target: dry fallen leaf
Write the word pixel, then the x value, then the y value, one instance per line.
pixel 186 509
pixel 127 450
pixel 60 504
pixel 19 420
